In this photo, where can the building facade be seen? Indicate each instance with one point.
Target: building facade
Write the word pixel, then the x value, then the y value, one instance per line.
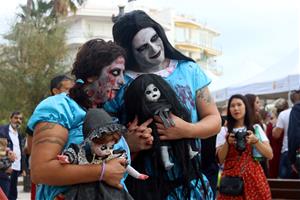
pixel 94 20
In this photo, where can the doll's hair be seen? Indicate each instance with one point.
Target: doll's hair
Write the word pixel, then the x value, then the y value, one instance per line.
pixel 130 24
pixel 90 60
pixel 136 104
pixel 107 138
pixel 248 118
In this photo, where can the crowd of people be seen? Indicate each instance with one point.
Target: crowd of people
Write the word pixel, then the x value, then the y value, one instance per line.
pixel 138 106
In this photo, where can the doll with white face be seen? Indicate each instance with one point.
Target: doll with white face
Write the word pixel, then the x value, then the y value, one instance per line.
pixel 98 147
pixel 101 133
pixel 154 97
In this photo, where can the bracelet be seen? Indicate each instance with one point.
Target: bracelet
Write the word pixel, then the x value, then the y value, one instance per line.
pixel 102 171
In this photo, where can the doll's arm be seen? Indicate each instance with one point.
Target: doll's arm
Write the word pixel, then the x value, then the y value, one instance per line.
pixel 70 155
pixel 63 159
pixel 132 172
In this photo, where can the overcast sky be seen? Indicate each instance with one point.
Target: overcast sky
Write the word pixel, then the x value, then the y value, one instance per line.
pixel 254 33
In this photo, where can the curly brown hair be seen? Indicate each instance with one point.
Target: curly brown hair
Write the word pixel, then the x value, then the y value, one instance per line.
pixel 91 58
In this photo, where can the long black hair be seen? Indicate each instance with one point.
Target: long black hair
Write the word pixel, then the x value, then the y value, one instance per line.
pixel 130 24
pixel 91 58
pixel 248 118
pixel 136 105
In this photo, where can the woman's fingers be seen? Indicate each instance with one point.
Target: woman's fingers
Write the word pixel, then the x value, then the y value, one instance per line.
pixel 144 125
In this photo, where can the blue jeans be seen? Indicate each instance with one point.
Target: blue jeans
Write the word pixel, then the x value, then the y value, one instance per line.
pixel 285 169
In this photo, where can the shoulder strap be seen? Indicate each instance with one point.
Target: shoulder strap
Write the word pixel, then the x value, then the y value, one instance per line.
pixel 244 164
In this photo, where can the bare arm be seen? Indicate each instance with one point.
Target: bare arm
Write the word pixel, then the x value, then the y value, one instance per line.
pixel 263 147
pixel 222 150
pixel 277 132
pixel 29 143
pixel 48 141
pixel 209 125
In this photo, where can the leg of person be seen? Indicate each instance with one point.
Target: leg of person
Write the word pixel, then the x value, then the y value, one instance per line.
pixel 4 184
pixel 285 169
pixel 13 191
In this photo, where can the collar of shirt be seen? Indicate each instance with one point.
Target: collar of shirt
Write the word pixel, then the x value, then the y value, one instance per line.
pixel 12 130
pixel 163 73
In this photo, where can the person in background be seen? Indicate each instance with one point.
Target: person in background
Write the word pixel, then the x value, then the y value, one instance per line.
pixel 254 103
pixel 58 84
pixel 149 51
pixel 61 83
pixel 282 127
pixel 294 134
pixel 57 122
pixel 276 144
pixel 240 162
pixel 9 179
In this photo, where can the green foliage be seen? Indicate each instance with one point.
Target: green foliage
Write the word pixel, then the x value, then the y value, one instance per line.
pixel 34 53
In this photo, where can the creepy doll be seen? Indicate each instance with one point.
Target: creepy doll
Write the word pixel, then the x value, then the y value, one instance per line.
pixel 150 96
pixel 101 133
pixel 156 103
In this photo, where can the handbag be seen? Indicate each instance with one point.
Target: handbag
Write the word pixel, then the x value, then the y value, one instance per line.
pixel 233 185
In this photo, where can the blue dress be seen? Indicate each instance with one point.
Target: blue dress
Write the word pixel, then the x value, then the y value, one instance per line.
pixel 61 109
pixel 186 79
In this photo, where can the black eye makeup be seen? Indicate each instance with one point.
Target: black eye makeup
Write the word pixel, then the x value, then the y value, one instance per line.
pixel 142 48
pixel 115 72
pixel 154 38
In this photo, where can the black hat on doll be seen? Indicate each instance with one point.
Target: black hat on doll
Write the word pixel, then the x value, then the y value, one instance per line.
pixel 98 123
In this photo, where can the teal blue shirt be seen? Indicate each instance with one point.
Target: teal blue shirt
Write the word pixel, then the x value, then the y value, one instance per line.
pixel 61 109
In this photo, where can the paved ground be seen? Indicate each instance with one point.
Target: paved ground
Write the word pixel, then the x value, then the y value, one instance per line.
pixel 23 195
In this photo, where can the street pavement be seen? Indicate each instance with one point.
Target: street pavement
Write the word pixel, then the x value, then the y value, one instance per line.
pixel 23 195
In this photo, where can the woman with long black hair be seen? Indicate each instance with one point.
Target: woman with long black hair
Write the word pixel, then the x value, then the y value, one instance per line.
pixel 236 151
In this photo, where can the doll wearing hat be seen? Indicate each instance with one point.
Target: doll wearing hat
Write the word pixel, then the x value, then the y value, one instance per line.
pixel 101 133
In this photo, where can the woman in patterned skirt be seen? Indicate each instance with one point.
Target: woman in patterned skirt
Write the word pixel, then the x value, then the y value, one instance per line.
pixel 236 152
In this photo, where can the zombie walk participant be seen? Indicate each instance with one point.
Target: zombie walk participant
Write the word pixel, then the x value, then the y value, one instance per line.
pixel 57 122
pixel 149 51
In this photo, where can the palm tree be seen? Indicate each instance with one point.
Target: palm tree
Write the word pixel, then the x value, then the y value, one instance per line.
pixel 57 8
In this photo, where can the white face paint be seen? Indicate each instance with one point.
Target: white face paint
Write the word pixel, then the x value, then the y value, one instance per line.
pixel 148 50
pixel 152 93
pixel 102 150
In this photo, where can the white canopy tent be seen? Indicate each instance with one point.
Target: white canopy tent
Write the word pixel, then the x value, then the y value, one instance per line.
pixel 276 81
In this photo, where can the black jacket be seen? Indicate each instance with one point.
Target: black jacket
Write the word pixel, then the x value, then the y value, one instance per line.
pixel 294 132
pixel 4 133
